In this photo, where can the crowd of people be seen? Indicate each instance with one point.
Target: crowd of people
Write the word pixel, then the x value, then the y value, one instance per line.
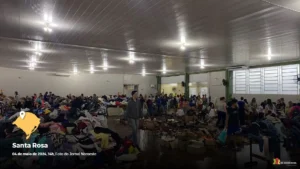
pixel 231 114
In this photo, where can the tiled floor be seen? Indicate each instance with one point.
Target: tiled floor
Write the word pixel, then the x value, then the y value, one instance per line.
pixel 156 157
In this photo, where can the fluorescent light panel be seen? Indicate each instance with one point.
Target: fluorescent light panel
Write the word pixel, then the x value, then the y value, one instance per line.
pixel 92 70
pixel 269 53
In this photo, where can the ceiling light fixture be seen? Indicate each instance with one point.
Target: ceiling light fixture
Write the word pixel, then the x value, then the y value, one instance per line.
pixel 143 72
pixel 92 70
pixel 269 53
pixel 32 63
pixel 75 71
pixel 182 47
pixel 33 59
pixel 164 70
pixel 38 47
pixel 183 43
pixel 131 58
pixel 48 23
pixel 32 66
pixel 105 65
pixel 201 64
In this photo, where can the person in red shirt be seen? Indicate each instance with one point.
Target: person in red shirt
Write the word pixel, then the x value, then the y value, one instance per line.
pixel 294 109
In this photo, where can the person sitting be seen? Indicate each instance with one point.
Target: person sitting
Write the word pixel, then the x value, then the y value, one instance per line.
pixel 295 110
pixel 270 107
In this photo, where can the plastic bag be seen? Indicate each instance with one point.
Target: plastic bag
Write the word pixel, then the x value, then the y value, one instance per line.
pixel 222 137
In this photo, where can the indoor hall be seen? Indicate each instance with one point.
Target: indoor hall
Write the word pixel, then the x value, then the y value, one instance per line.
pixel 149 84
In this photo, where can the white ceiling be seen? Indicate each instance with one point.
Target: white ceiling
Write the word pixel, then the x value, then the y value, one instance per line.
pixel 218 34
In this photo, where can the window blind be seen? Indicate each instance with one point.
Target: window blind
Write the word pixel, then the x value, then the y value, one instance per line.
pixel 267 80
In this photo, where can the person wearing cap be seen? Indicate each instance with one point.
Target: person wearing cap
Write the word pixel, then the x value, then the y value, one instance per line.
pixel 133 114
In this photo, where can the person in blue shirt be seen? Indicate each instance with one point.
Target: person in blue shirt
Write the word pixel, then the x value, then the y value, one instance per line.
pixel 158 104
pixel 164 102
pixel 46 97
pixel 241 107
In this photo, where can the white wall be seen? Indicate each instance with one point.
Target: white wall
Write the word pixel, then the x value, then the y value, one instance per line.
pixel 215 87
pixel 203 77
pixel 29 82
pixel 172 79
pixel 274 97
pixel 144 83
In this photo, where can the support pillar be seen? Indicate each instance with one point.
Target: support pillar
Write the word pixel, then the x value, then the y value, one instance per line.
pixel 186 86
pixel 158 79
pixel 229 86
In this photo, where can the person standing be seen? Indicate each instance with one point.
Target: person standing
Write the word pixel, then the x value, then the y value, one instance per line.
pixel 164 102
pixel 241 105
pixel 46 97
pixel 133 114
pixel 232 122
pixel 17 97
pixel 221 111
pixel 150 106
pixel 158 104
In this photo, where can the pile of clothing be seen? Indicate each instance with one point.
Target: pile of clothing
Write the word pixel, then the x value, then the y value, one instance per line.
pixel 113 101
pixel 88 133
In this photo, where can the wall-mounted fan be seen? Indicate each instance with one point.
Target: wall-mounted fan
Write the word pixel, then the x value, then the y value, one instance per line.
pixel 225 82
pixel 298 78
pixel 182 83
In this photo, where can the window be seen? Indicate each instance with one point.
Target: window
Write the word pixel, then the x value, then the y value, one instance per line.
pixel 255 81
pixel 240 81
pixel 268 80
pixel 289 79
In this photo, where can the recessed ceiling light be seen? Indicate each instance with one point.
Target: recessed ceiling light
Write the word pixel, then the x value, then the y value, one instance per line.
pixel 182 47
pixel 202 64
pixel 33 60
pixel 143 72
pixel 48 23
pixel 131 58
pixel 269 53
pixel 92 69
pixel 164 70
